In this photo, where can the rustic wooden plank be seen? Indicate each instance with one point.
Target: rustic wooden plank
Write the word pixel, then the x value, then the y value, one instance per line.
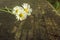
pixel 43 24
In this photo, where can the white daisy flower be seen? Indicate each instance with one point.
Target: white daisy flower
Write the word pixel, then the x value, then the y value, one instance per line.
pixel 21 16
pixel 27 8
pixel 16 10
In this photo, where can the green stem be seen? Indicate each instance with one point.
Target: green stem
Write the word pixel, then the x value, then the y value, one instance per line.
pixel 5 11
pixel 8 8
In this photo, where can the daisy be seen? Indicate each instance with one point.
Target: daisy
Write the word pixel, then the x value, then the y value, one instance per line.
pixel 21 16
pixel 27 8
pixel 16 10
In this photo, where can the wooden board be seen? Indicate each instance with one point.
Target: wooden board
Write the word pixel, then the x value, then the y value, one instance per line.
pixel 43 24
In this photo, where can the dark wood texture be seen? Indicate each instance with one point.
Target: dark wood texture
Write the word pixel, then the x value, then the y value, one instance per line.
pixel 43 24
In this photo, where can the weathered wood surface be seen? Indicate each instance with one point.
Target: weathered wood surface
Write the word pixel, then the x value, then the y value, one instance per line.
pixel 43 24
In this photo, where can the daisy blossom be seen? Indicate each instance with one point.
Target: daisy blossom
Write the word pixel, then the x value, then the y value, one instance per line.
pixel 16 10
pixel 27 8
pixel 21 16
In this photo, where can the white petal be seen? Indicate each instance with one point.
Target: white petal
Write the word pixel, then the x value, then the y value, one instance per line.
pixel 30 10
pixel 25 5
pixel 17 17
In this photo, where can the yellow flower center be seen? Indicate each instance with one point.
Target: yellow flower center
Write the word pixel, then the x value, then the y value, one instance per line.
pixel 21 15
pixel 26 10
pixel 17 11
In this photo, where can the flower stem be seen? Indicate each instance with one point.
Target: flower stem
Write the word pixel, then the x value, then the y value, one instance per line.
pixel 8 8
pixel 5 11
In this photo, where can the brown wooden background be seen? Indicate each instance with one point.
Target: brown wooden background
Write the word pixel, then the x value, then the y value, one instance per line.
pixel 43 24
